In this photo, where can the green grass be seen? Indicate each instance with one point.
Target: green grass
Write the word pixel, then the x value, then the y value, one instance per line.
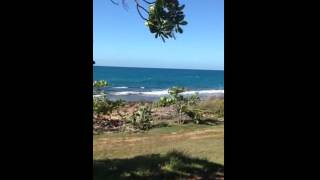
pixel 172 165
pixel 174 152
pixel 215 106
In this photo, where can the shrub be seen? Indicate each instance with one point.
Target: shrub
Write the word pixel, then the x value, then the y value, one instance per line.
pixel 179 101
pixel 165 101
pixel 183 105
pixel 215 106
pixel 99 85
pixel 101 104
pixel 194 114
pixel 142 118
pixel 104 106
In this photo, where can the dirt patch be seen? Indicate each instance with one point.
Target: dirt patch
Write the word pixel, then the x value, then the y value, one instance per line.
pixel 195 135
pixel 208 133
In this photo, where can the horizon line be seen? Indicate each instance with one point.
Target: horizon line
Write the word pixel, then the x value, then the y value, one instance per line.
pixel 161 68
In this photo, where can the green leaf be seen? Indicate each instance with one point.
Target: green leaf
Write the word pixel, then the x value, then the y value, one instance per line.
pixel 160 2
pixel 162 39
pixel 181 7
pixel 180 18
pixel 174 37
pixel 180 13
pixel 152 29
pixel 180 30
pixel 183 23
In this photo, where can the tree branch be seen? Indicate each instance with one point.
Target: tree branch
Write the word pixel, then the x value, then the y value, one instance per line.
pixel 149 2
pixel 138 9
pixel 124 5
pixel 143 8
pixel 114 2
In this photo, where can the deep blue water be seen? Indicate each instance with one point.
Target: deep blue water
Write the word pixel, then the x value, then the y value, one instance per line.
pixel 156 81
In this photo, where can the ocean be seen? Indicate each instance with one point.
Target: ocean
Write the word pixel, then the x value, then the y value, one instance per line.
pixel 133 84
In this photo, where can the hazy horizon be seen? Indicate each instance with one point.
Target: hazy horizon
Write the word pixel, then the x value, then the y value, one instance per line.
pixel 158 68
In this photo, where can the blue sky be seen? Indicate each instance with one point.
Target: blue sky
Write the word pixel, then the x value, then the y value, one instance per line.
pixel 121 38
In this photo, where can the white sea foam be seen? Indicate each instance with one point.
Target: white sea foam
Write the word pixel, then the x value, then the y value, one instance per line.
pixel 125 93
pixel 121 87
pixel 151 93
pixel 212 91
pixel 98 95
pixel 156 93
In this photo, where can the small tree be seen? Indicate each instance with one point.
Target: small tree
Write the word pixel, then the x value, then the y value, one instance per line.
pixel 98 87
pixel 183 105
pixel 100 107
pixel 101 104
pixel 191 110
pixel 142 118
pixel 178 100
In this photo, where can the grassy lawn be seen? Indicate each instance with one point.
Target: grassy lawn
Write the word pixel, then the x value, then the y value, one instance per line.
pixel 175 152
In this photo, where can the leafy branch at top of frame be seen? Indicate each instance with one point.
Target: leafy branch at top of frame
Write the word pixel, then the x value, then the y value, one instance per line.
pixel 164 18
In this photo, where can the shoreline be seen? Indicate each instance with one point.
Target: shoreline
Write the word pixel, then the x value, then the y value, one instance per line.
pixel 146 98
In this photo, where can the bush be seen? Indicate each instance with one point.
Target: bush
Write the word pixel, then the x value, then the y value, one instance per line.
pixel 101 104
pixel 194 114
pixel 165 101
pixel 183 105
pixel 142 118
pixel 215 106
pixel 99 85
pixel 104 106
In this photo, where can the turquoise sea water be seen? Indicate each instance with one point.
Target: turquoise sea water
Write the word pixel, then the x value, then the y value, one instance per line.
pixel 136 83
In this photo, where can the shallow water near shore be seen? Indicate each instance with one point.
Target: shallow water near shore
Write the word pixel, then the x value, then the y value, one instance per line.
pixel 149 84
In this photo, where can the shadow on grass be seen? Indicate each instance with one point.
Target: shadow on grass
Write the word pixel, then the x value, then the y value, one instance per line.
pixel 173 165
pixel 210 122
pixel 160 125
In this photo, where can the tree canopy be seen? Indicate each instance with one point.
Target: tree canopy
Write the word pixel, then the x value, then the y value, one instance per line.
pixel 163 17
